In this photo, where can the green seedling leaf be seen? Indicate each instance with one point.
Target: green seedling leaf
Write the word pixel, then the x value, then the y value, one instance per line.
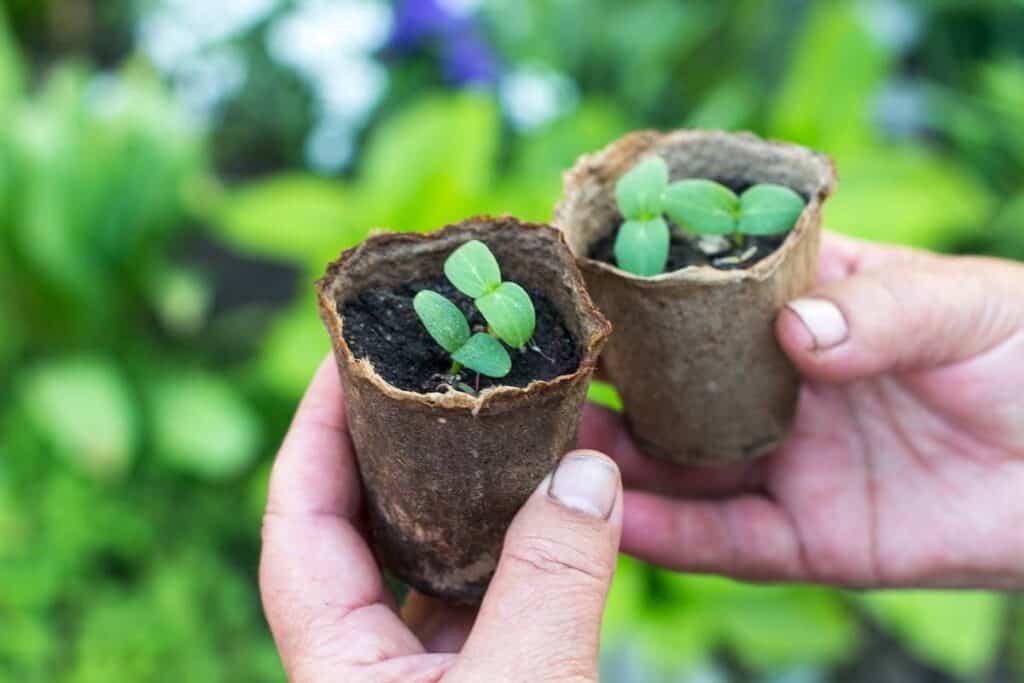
pixel 473 269
pixel 509 312
pixel 443 320
pixel 484 354
pixel 639 191
pixel 702 206
pixel 641 247
pixel 769 209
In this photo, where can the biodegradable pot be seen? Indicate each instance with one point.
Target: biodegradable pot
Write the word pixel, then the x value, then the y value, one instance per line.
pixel 694 354
pixel 444 473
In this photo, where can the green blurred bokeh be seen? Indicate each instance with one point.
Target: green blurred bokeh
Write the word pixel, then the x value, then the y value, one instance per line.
pixel 173 177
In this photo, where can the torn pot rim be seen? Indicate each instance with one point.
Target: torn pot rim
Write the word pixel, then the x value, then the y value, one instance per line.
pixel 653 141
pixel 594 327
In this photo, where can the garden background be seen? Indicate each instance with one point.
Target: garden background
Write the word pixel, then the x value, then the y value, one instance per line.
pixel 175 173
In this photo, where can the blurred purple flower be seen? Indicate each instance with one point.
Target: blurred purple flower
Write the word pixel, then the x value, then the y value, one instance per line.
pixel 467 59
pixel 417 22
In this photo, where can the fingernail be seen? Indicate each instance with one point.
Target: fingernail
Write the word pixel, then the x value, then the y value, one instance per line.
pixel 587 483
pixel 823 320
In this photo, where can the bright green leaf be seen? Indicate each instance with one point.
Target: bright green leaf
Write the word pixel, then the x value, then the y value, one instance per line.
pixel 473 269
pixel 434 159
pixel 604 394
pixel 773 628
pixel 181 298
pixel 702 206
pixel 443 320
pixel 880 198
pixel 291 216
pixel 202 425
pixel 294 345
pixel 641 247
pixel 639 191
pixel 769 209
pixel 923 619
pixel 509 312
pixel 85 408
pixel 833 46
pixel 484 354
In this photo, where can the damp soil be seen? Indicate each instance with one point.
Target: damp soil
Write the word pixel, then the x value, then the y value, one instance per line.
pixel 380 324
pixel 683 251
pixel 686 250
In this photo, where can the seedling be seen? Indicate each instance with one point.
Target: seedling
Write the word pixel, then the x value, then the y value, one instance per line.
pixel 700 206
pixel 473 270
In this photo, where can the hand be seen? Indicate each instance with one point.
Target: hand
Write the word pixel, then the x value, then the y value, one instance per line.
pixel 905 466
pixel 334 620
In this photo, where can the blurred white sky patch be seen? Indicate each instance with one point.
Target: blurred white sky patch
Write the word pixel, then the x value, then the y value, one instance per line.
pixel 331 43
pixel 188 41
pixel 532 95
pixel 902 108
pixel 318 32
pixel 204 82
pixel 331 145
pixel 177 30
pixel 895 23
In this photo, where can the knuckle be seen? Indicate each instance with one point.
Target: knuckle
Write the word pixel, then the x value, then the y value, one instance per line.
pixel 560 560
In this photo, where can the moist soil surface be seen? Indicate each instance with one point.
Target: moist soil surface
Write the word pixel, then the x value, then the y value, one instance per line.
pixel 683 251
pixel 381 324
pixel 686 250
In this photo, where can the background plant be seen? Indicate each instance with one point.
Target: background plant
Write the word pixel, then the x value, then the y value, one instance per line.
pixel 698 205
pixel 128 539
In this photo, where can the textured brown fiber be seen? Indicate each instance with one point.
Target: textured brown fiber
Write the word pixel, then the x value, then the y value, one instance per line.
pixel 444 473
pixel 694 355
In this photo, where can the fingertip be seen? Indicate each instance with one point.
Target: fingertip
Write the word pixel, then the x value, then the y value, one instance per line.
pixel 593 454
pixel 586 481
pixel 794 337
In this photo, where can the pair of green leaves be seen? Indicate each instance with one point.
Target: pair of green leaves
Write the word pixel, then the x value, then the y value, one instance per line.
pixel 701 206
pixel 506 307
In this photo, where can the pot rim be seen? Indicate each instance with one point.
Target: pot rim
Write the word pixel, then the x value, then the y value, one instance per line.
pixel 649 141
pixel 594 328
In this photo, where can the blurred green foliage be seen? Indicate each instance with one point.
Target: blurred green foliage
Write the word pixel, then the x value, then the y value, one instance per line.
pixel 154 341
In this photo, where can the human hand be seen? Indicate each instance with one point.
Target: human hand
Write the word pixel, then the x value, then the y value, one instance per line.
pixel 334 619
pixel 905 466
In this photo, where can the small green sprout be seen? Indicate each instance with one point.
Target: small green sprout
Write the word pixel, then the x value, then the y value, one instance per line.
pixel 700 206
pixel 506 307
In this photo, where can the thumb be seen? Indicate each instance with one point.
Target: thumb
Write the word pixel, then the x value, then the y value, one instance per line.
pixel 905 316
pixel 541 617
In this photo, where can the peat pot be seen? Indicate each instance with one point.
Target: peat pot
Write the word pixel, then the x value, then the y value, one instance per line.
pixel 694 354
pixel 445 472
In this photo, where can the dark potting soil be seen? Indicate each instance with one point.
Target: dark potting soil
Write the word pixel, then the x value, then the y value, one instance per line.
pixel 381 324
pixel 684 249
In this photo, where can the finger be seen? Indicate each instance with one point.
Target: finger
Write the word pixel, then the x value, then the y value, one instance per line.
pixel 838 257
pixel 841 257
pixel 439 626
pixel 541 616
pixel 605 430
pixel 324 597
pixel 917 312
pixel 749 537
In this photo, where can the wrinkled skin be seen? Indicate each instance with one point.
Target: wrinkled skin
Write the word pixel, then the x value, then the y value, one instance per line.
pixel 904 468
pixel 905 465
pixel 334 619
